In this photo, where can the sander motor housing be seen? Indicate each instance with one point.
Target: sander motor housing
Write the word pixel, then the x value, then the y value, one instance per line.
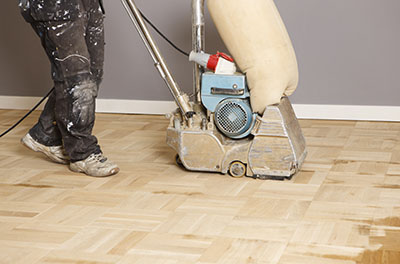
pixel 227 98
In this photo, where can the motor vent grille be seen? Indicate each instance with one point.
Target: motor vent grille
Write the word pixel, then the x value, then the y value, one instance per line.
pixel 231 118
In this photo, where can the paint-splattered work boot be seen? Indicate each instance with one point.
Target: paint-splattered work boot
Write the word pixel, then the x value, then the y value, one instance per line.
pixel 55 153
pixel 95 165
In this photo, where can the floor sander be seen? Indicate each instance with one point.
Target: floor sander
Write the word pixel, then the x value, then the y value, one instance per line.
pixel 218 131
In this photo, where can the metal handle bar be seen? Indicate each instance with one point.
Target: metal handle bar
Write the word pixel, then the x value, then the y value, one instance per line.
pixel 198 44
pixel 180 98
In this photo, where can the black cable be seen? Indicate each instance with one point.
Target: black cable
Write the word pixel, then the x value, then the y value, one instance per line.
pixel 25 116
pixel 44 98
pixel 163 36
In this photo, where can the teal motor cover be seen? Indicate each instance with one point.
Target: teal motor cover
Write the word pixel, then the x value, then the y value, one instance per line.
pixel 227 96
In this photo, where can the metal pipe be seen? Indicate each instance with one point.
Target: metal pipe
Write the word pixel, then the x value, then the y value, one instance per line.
pixel 198 43
pixel 181 99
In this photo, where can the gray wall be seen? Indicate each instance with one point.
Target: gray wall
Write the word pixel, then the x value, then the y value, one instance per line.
pixel 347 51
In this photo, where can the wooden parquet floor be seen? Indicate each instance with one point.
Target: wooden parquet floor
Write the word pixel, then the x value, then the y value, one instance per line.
pixel 343 207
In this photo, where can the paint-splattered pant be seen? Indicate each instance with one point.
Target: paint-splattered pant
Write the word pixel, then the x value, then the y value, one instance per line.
pixel 75 48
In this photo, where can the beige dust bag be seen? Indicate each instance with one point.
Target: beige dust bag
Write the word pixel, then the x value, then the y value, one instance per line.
pixel 256 37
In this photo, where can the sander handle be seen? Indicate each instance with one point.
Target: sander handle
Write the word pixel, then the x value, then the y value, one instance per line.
pixel 181 99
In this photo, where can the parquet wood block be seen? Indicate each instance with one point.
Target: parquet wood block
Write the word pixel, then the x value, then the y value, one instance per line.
pixel 342 207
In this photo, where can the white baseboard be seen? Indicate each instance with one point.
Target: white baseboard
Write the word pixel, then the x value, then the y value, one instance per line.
pixel 134 106
pixel 348 112
pixel 303 111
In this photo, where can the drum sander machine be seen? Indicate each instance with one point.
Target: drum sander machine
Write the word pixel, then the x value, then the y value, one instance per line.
pixel 218 131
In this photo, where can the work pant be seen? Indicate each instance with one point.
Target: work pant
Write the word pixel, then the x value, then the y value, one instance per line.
pixel 75 48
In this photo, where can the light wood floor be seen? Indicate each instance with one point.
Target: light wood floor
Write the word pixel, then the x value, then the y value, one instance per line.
pixel 343 207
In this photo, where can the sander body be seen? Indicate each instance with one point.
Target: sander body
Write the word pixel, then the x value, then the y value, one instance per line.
pixel 219 131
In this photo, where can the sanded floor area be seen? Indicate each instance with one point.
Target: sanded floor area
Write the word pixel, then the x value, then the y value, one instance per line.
pixel 343 207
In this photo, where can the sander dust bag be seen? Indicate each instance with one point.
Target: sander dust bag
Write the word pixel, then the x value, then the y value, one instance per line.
pixel 256 37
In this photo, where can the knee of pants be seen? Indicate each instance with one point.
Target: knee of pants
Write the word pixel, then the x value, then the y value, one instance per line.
pixel 83 95
pixel 80 113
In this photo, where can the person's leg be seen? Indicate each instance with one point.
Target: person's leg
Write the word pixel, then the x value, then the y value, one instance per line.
pixel 78 71
pixel 45 136
pixel 45 131
pixel 75 88
pixel 69 113
pixel 76 79
pixel 95 165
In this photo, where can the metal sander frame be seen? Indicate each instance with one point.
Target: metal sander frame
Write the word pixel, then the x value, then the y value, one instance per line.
pixel 276 147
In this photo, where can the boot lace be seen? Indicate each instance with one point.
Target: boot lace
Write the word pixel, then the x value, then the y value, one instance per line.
pixel 99 157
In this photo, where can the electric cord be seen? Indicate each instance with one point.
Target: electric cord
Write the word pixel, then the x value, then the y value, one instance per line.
pixel 163 36
pixel 27 114
pixel 44 98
